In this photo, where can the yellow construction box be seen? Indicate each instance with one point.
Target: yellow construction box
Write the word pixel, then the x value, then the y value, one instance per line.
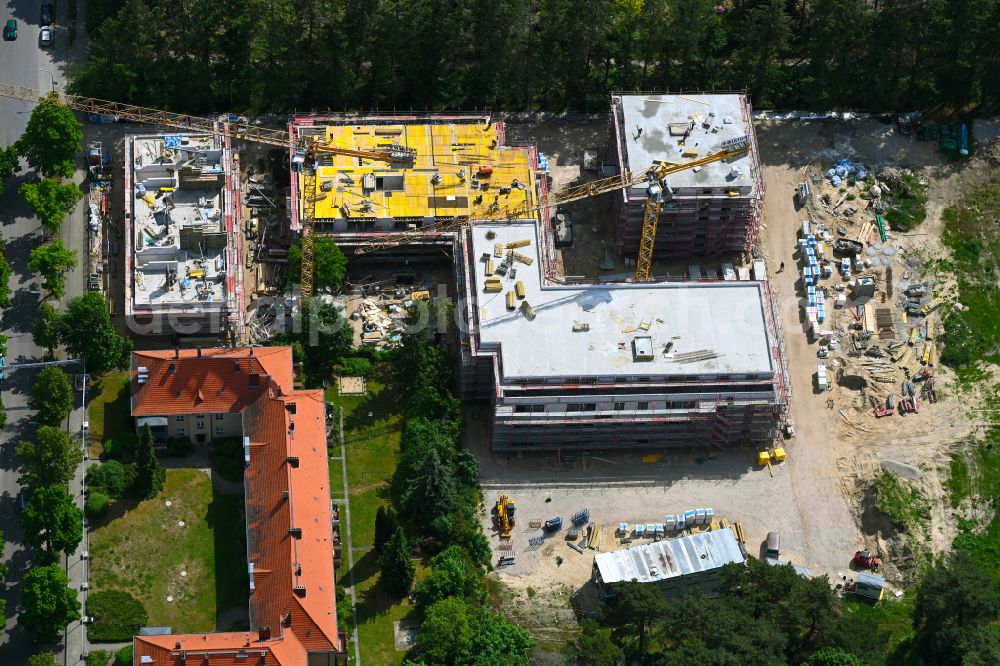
pixel 519 289
pixel 779 454
pixel 511 300
pixel 763 457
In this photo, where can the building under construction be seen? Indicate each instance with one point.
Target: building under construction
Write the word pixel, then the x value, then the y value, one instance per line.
pixel 712 210
pixel 614 365
pixel 436 170
pixel 183 246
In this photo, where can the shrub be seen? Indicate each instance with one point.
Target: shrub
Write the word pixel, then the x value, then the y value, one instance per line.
pixel 112 478
pixel 355 366
pixel 124 656
pixel 118 616
pixel 96 505
pixel 3 414
pixel 98 658
pixel 121 446
pixel 227 459
pixel 179 447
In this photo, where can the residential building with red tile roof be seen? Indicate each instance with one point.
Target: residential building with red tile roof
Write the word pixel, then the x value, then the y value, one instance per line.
pixel 290 538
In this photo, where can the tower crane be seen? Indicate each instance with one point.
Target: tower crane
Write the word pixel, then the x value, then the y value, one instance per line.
pixel 397 155
pixel 657 193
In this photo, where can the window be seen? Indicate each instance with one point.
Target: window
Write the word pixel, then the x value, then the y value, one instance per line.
pixel 219 430
pixel 179 430
pixel 574 407
pixel 219 417
pixel 590 407
pixel 642 405
pixel 179 418
pixel 619 406
pixel 201 424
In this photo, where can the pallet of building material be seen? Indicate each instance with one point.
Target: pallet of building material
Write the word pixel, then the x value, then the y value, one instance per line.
pixel 695 356
pixel 524 259
pixel 498 250
pixel 865 235
pixel 505 544
pixel 518 243
pixel 738 533
pixel 575 547
pixel 535 523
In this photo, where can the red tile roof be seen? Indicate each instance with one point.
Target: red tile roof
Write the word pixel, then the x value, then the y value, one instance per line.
pixel 289 535
pixel 220 380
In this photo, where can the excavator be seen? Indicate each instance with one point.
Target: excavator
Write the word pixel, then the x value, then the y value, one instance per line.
pixel 658 193
pixel 504 509
pixel 397 155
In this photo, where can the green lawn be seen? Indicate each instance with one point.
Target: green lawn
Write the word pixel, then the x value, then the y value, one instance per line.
pixel 372 444
pixel 144 550
pixel 109 410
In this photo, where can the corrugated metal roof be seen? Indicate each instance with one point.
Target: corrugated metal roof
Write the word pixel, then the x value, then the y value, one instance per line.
pixel 670 558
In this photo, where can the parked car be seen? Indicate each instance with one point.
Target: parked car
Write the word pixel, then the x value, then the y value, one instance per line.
pixel 10 30
pixel 3 365
pixel 45 36
pixel 772 546
pixel 47 12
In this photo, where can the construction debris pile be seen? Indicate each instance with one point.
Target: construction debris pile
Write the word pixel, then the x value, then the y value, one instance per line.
pixel 382 310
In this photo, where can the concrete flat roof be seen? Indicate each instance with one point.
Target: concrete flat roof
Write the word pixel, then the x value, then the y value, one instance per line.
pixel 726 318
pixel 671 558
pixel 656 113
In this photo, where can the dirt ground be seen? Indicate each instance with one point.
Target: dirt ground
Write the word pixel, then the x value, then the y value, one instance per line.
pixel 819 499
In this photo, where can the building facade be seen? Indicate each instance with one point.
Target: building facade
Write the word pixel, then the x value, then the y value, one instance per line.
pixel 291 546
pixel 615 365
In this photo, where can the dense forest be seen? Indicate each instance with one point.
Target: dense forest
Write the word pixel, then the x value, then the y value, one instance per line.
pixel 282 55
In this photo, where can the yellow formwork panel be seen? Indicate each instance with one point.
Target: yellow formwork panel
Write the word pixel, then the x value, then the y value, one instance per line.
pixel 454 152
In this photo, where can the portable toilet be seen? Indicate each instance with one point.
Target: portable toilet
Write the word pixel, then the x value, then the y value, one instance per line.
pixel 650 529
pixel 671 522
pixel 689 517
pixel 709 515
pixel 779 454
pixel 869 585
pixel 763 457
pixel 639 528
pixel 659 531
pixel 623 529
pixel 699 517
pixel 680 521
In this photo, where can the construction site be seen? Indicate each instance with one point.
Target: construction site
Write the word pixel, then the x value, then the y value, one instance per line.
pixel 632 317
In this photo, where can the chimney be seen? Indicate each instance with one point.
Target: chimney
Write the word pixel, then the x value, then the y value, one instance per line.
pixel 251 350
pixel 284 495
pixel 199 351
pixel 177 352
pixel 172 367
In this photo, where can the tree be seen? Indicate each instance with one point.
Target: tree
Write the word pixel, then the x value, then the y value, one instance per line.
pixel 149 473
pixel 51 396
pixel 396 566
pixel 49 603
pixel 10 164
pixel 51 201
pixel 446 632
pixel 52 140
pixel 50 459
pixel 47 327
pixel 88 334
pixel 385 526
pixel 5 273
pixel 833 657
pixel 431 492
pixel 117 616
pixel 326 337
pixel 112 478
pixel 955 603
pixel 636 605
pixel 3 580
pixel 594 646
pixel 51 261
pixel 52 521
pixel 453 574
pixel 329 265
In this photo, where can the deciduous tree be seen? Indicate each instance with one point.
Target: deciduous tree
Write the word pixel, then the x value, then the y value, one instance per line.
pixel 51 201
pixel 52 521
pixel 5 273
pixel 47 327
pixel 329 265
pixel 51 396
pixel 51 261
pixel 453 574
pixel 50 458
pixel 88 334
pixel 10 163
pixel 52 140
pixel 396 565
pixel 49 603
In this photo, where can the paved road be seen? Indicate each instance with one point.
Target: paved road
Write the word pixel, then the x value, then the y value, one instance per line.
pixel 23 62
